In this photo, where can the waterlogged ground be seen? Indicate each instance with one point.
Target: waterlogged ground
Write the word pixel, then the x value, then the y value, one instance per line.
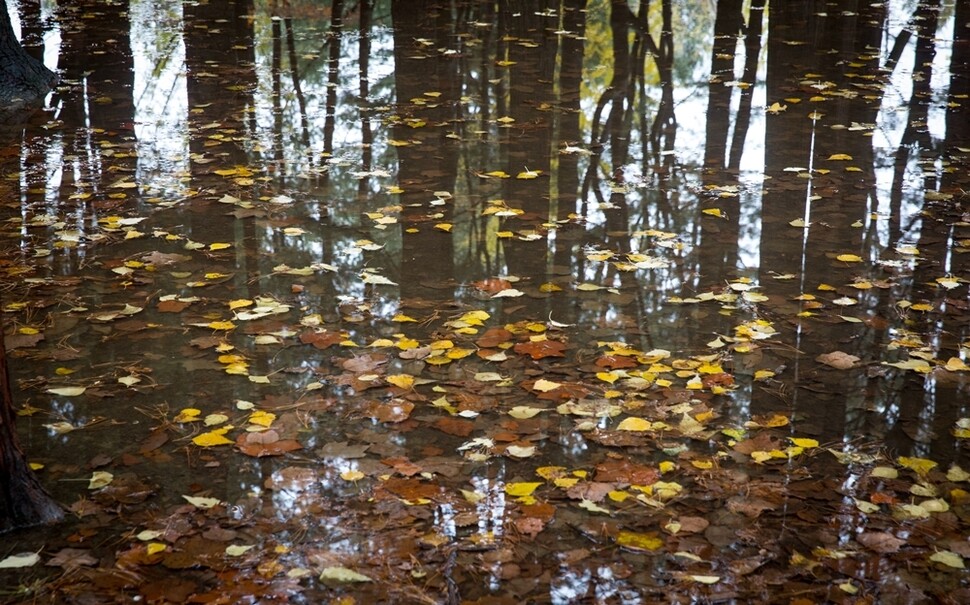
pixel 467 302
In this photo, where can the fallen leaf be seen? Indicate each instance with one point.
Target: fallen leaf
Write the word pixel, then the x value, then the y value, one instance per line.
pixel 342 574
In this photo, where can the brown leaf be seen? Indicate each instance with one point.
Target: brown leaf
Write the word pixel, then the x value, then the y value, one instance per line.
pixel 395 410
pixel 292 478
pixel 455 426
pixel 171 306
pixel 411 489
pixel 538 349
pixel 71 558
pixel 624 471
pixel 273 448
pixel 529 526
pixel 838 360
pixel 615 361
pixel 403 466
pixel 322 339
pixel 492 285
pixel 880 541
pixel 342 449
pixel 493 337
pixel 594 491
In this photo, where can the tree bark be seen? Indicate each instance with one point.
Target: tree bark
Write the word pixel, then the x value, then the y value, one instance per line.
pixel 23 500
pixel 24 80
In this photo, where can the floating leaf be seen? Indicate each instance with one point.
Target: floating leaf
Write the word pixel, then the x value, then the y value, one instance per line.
pixel 518 490
pixel 342 574
pixel 948 558
pixel 212 438
pixel 235 550
pixel 705 579
pixel 921 465
pixel 519 451
pixel 20 560
pixel 203 503
pixel 67 391
pixel 849 258
pixel 352 475
pixel 100 479
pixel 634 424
pixel 639 541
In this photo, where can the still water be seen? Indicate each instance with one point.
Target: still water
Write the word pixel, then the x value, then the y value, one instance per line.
pixel 493 302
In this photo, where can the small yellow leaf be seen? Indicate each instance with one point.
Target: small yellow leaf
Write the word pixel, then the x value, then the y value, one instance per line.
pixel 446 227
pixel 920 465
pixel 634 424
pixel 153 548
pixel 521 489
pixel 849 258
pixel 948 558
pixel 713 212
pixel 639 541
pixel 352 475
pixel 262 418
pixel 188 415
pixel 219 246
pixel 403 381
pixel 840 157
pixel 212 438
pixel 239 303
pixel 221 325
pixel 705 579
pixel 803 442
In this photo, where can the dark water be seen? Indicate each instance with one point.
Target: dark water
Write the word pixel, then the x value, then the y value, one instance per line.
pixel 690 201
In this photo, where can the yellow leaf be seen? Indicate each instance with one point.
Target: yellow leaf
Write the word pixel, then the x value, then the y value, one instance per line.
pixel 212 438
pixel 639 541
pixel 618 495
pixel 239 303
pixel 262 418
pixel 457 353
pixel 840 157
pixel 404 381
pixel 803 442
pixel 920 465
pixel 221 325
pixel 666 466
pixel 497 174
pixel 705 579
pixel 446 227
pixel 634 424
pixel 609 377
pixel 351 475
pixel 528 174
pixel 849 258
pixel 702 464
pixel 523 412
pixel 550 472
pixel 188 415
pixel 544 385
pixel 401 317
pixel 154 548
pixel 763 374
pixel 713 212
pixel 517 490
pixel 219 246
pixel 948 558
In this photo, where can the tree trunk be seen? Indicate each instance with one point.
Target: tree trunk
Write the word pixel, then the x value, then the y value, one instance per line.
pixel 23 500
pixel 23 79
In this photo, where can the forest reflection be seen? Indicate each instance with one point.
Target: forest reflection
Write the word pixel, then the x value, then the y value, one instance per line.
pixel 680 137
pixel 669 174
